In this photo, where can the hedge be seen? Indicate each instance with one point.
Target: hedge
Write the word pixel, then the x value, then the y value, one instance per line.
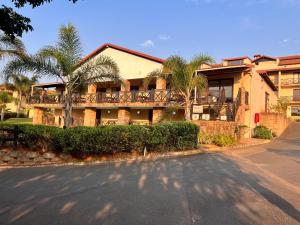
pixel 109 139
pixel 262 132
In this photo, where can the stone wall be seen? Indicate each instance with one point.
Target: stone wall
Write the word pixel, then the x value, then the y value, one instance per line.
pixel 217 127
pixel 274 121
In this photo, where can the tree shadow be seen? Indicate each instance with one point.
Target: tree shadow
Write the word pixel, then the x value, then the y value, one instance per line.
pixel 205 189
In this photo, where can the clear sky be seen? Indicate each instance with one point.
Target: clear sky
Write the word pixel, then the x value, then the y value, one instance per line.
pixel 221 28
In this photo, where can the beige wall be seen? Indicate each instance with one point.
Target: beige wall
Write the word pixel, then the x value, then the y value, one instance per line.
pixel 257 96
pixel 130 66
pixel 105 116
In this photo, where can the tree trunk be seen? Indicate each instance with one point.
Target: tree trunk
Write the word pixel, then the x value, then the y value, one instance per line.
pixel 187 110
pixel 19 105
pixel 2 114
pixel 68 103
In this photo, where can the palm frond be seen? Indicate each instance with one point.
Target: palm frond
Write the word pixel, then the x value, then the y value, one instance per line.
pixel 11 47
pixel 199 60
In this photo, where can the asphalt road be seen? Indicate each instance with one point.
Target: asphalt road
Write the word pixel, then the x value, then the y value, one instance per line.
pixel 257 185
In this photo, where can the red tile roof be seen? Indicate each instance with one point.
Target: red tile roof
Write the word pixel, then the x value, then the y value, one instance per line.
pixel 289 60
pixel 258 57
pixel 109 45
pixel 237 58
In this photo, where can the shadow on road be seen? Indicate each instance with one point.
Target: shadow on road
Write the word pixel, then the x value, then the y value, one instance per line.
pixel 207 189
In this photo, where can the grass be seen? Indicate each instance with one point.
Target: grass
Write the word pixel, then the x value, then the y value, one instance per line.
pixel 15 121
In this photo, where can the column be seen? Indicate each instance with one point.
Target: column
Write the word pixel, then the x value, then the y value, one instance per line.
pixel 90 117
pixel 37 116
pixel 123 116
pixel 157 115
pixel 125 86
pixel 279 84
pixel 161 84
pixel 92 88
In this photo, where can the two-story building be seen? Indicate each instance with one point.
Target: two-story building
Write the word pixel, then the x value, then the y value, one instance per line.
pixel 285 74
pixel 236 91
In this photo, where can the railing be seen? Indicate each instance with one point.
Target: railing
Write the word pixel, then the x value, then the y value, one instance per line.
pixel 290 81
pixel 294 98
pixel 113 97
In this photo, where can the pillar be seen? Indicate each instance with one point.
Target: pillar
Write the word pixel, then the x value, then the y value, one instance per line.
pixel 157 115
pixel 37 116
pixel 279 84
pixel 92 88
pixel 90 117
pixel 161 84
pixel 125 86
pixel 123 116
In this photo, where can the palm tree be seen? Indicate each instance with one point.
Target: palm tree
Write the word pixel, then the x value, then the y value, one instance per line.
pixel 182 77
pixel 10 47
pixel 22 84
pixel 4 99
pixel 64 62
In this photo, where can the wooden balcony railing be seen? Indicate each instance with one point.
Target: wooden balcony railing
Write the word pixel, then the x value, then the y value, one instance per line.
pixel 290 81
pixel 151 96
pixel 295 98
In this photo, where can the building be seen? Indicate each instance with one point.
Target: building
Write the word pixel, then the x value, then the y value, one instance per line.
pixel 237 90
pixel 285 74
pixel 12 106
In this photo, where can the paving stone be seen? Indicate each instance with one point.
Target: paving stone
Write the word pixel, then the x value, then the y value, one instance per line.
pixel 56 159
pixel 65 157
pixel 15 154
pixel 32 155
pixel 49 155
pixel 6 158
pixel 23 159
pixel 39 160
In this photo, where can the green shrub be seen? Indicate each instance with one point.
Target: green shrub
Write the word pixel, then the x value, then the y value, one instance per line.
pixel 109 139
pixel 221 140
pixel 262 132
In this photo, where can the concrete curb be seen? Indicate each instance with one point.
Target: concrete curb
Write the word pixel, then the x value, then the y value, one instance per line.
pixel 149 157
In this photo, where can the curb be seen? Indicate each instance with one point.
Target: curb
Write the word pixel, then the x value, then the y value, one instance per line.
pixel 140 158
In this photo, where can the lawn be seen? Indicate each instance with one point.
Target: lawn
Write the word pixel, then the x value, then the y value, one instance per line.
pixel 17 121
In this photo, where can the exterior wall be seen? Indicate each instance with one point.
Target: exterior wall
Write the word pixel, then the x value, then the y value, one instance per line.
pixel 131 66
pixel 217 127
pixel 142 118
pixel 38 116
pixel 275 121
pixel 78 117
pixel 109 117
pixel 90 117
pixel 257 97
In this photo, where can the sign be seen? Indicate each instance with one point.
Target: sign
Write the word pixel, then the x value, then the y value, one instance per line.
pixel 205 116
pixel 195 116
pixel 197 109
pixel 224 118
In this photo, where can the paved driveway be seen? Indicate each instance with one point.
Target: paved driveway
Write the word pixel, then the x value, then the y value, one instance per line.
pixel 258 185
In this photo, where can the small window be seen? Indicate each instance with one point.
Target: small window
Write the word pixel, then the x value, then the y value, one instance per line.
pixel 235 62
pixel 267 101
pixel 296 94
pixel 296 78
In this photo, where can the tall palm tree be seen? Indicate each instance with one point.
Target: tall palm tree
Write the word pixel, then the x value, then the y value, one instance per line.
pixel 182 77
pixel 10 47
pixel 64 62
pixel 22 84
pixel 4 99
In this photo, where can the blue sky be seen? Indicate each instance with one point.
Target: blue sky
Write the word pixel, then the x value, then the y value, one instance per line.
pixel 221 28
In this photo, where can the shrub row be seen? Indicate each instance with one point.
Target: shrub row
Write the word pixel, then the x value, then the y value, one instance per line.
pixel 262 132
pixel 108 139
pixel 221 140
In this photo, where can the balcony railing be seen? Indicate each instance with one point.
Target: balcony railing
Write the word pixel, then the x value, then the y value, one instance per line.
pixel 151 96
pixel 295 98
pixel 290 81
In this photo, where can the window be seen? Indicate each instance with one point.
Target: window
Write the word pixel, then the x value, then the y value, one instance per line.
pixel 235 62
pixel 215 87
pixel 267 101
pixel 295 110
pixel 296 95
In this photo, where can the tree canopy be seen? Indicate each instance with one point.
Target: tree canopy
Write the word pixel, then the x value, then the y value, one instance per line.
pixel 14 24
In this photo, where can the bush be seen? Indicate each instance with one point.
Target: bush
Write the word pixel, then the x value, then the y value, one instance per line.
pixel 109 139
pixel 262 132
pixel 221 140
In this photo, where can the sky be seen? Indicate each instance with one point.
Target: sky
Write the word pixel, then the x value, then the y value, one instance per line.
pixel 220 28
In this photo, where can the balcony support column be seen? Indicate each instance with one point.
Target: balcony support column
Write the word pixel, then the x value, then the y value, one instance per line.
pixel 37 116
pixel 157 115
pixel 92 88
pixel 279 83
pixel 123 116
pixel 90 117
pixel 161 84
pixel 125 86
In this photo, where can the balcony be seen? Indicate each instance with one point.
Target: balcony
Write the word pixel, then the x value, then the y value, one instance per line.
pixel 295 98
pixel 291 81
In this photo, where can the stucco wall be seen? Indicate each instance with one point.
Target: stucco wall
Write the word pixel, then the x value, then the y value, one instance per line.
pixel 274 121
pixel 217 127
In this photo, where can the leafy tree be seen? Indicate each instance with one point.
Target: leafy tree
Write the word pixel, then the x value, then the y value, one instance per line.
pixel 182 77
pixel 281 106
pixel 64 62
pixel 14 24
pixel 10 47
pixel 5 98
pixel 22 84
